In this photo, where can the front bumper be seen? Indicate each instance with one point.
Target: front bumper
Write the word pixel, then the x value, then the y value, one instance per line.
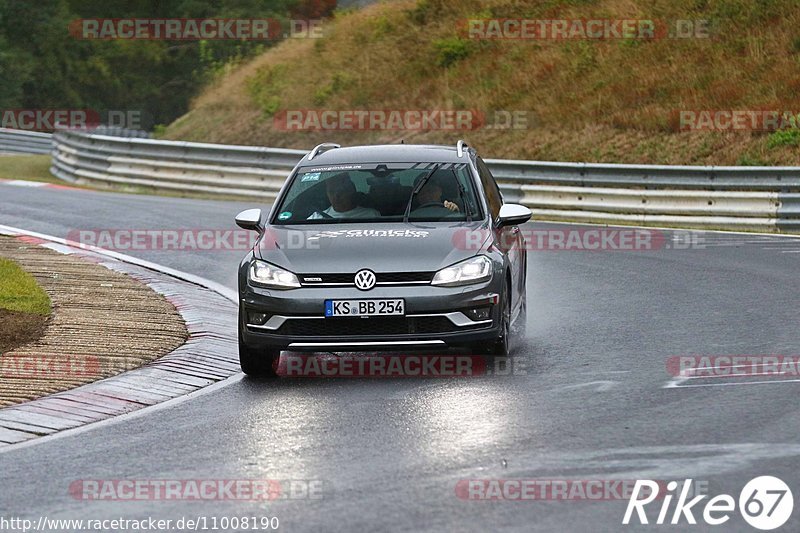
pixel 435 318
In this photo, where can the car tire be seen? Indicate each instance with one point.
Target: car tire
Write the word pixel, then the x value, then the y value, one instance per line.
pixel 520 327
pixel 500 346
pixel 257 363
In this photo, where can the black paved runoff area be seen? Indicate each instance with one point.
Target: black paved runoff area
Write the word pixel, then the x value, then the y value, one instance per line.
pixel 590 398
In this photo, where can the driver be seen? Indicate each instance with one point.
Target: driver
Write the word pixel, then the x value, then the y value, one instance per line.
pixel 431 193
pixel 342 195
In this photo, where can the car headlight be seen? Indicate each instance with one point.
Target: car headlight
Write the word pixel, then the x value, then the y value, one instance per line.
pixel 472 270
pixel 270 276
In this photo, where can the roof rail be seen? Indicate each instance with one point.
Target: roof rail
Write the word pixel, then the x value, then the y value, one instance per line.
pixel 322 148
pixel 460 145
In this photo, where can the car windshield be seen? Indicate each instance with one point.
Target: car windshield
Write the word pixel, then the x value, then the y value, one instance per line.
pixel 380 193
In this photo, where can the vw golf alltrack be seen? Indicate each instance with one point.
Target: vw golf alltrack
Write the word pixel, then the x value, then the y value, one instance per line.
pixel 381 248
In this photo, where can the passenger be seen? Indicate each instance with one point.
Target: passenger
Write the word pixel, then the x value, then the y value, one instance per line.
pixel 342 195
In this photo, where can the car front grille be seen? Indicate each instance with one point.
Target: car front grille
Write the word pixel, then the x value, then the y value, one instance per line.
pixel 383 278
pixel 369 326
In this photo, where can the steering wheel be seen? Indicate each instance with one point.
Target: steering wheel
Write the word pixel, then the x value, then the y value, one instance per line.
pixel 431 204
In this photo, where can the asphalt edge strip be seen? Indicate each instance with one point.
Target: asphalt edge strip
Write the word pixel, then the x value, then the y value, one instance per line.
pixel 208 359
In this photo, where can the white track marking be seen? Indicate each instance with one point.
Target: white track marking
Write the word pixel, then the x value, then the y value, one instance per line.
pixel 766 382
pixel 599 386
pixel 680 382
pixel 23 183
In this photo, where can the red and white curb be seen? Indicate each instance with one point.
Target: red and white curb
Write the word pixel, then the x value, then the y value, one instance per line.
pixel 209 356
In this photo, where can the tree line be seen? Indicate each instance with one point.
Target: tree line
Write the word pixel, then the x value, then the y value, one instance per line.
pixel 43 65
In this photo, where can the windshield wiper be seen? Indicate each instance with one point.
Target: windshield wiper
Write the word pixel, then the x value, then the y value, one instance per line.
pixel 416 189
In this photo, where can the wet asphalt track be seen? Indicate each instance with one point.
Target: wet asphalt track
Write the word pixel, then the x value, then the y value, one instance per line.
pixel 588 400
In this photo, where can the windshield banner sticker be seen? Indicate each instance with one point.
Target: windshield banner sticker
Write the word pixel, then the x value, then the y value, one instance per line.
pixel 371 233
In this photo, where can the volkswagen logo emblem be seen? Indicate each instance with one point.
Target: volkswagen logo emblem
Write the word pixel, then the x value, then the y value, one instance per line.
pixel 365 279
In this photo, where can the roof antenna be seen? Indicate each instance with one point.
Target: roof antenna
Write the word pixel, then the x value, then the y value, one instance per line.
pixel 402 141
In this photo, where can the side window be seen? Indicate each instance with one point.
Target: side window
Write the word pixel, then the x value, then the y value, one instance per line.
pixel 490 186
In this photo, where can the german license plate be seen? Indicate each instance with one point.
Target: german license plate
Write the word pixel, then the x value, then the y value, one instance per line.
pixel 334 308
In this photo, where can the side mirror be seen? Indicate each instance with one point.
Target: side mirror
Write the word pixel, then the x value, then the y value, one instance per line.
pixel 250 220
pixel 513 214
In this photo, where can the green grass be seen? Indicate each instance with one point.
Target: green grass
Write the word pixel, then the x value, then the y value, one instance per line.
pixel 451 50
pixel 27 167
pixel 790 137
pixel 747 160
pixel 20 292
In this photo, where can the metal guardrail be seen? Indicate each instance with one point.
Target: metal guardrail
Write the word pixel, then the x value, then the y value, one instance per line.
pixel 172 165
pixel 733 198
pixel 25 142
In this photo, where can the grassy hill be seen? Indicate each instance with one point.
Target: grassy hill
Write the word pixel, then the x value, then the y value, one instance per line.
pixel 586 100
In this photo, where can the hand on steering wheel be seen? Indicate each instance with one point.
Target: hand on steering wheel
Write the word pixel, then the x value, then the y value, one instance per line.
pixel 452 206
pixel 447 204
